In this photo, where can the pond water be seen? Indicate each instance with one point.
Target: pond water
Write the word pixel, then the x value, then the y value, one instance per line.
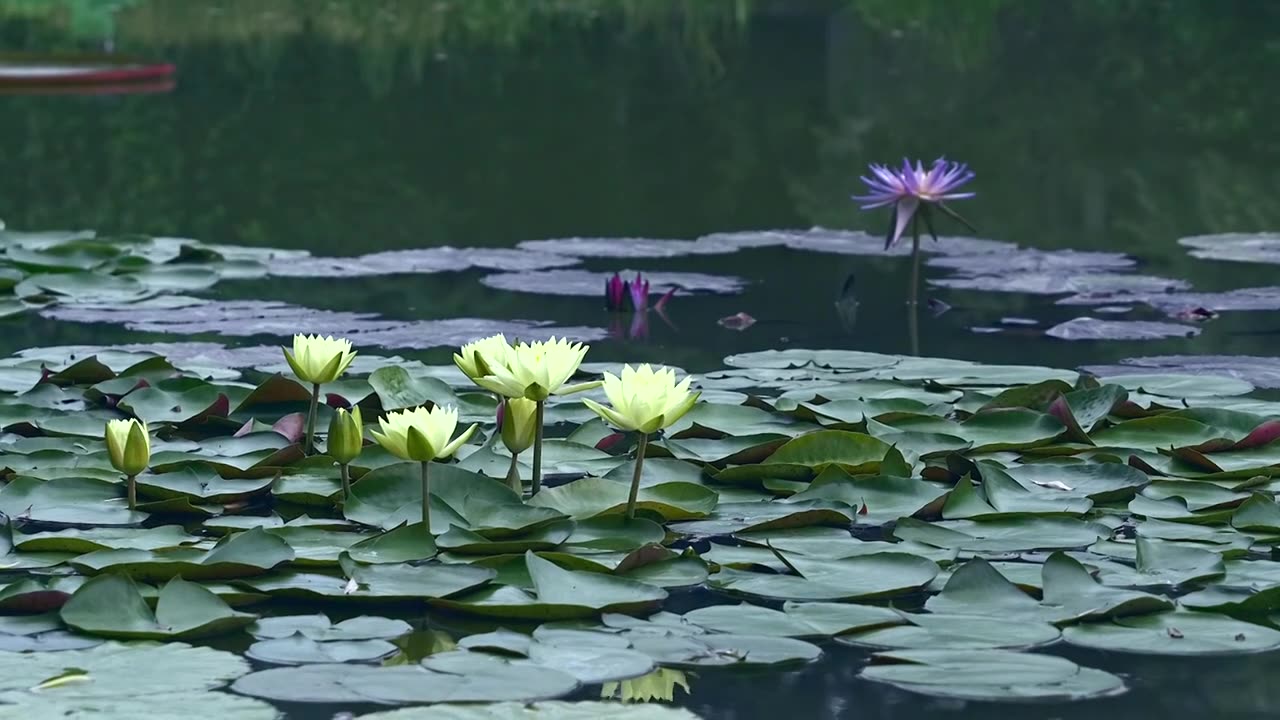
pixel 1101 127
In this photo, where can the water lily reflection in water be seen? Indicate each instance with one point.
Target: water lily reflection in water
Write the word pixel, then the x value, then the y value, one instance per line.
pixel 622 295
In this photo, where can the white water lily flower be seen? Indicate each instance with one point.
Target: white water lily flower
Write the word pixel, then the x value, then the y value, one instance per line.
pixel 536 370
pixel 421 435
pixel 128 446
pixel 475 358
pixel 319 360
pixel 644 399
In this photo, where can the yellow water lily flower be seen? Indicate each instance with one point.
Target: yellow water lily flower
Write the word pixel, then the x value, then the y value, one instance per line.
pixel 475 358
pixel 128 445
pixel 319 360
pixel 421 435
pixel 519 424
pixel 346 435
pixel 536 370
pixel 644 399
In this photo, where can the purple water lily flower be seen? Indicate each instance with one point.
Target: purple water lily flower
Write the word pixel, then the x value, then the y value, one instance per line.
pixel 914 189
pixel 639 294
pixel 615 293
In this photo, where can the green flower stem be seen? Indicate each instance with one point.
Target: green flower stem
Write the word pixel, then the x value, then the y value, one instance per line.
pixel 635 479
pixel 913 303
pixel 513 475
pixel 915 262
pixel 310 447
pixel 536 484
pixel 132 483
pixel 345 470
pixel 426 495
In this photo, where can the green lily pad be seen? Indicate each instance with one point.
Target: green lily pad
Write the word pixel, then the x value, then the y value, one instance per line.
pixel 67 501
pixel 993 675
pixel 397 389
pixel 315 546
pixel 1002 535
pixel 299 650
pixel 392 495
pixel 858 578
pixel 109 678
pixel 80 541
pixel 539 711
pixel 800 620
pixel 244 554
pixel 307 489
pixel 1103 482
pixel 805 457
pixel 592 497
pixel 403 543
pixel 545 537
pixel 460 677
pixel 879 499
pixel 1166 563
pixel 557 594
pixel 1175 633
pixel 384 583
pixel 112 606
pixel 994 430
pixel 957 632
pixel 202 485
pixel 321 629
pixel 730 518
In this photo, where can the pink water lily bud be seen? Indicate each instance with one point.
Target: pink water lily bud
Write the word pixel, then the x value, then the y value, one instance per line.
pixel 639 294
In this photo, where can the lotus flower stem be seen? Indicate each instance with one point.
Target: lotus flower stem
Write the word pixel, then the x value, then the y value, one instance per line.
pixel 345 470
pixel 426 495
pixel 913 303
pixel 915 262
pixel 513 475
pixel 635 478
pixel 536 483
pixel 311 419
pixel 132 483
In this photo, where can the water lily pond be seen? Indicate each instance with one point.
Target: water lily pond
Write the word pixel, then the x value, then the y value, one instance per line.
pixel 1047 488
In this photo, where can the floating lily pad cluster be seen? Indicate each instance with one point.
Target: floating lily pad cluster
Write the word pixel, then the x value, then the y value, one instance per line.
pixel 956 522
pixel 43 268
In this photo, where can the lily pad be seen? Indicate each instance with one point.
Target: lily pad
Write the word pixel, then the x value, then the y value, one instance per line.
pixel 244 554
pixel 592 497
pixel 540 711
pixel 67 501
pixel 1175 633
pixel 858 578
pixel 299 650
pixel 473 677
pixel 112 606
pixel 993 675
pixel 559 593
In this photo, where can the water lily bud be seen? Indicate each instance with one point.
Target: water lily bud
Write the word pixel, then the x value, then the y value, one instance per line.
pixel 643 399
pixel 639 291
pixel 319 360
pixel 128 445
pixel 519 424
pixel 346 435
pixel 421 435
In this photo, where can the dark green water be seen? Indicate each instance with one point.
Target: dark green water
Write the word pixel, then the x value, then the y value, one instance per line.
pixel 351 127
